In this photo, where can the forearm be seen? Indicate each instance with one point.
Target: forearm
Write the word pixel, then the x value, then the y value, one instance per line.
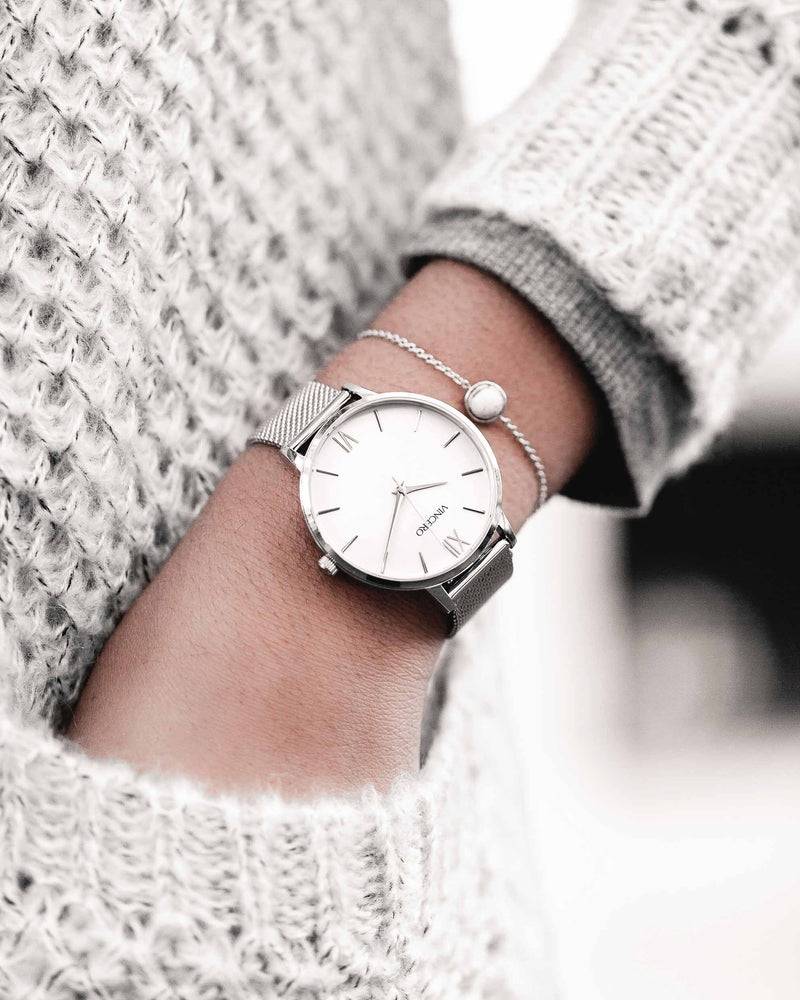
pixel 242 664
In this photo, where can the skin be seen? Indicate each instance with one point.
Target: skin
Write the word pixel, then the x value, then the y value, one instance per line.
pixel 243 665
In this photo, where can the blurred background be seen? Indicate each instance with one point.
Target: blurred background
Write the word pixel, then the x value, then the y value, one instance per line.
pixel 658 703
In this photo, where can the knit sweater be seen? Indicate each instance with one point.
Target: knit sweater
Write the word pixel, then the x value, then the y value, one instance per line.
pixel 644 195
pixel 200 202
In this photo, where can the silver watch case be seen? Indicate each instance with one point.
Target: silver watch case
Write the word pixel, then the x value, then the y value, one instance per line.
pixel 362 399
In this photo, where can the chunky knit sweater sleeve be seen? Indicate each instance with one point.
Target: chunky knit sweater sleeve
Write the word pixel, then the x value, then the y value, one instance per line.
pixel 644 194
pixel 199 200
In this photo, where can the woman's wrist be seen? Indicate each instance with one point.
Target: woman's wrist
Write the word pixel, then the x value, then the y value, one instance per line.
pixel 242 663
pixel 484 330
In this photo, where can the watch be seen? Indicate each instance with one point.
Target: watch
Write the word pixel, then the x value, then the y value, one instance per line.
pixel 399 490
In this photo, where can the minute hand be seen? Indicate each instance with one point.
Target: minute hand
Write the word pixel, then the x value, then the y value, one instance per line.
pixel 425 486
pixel 399 497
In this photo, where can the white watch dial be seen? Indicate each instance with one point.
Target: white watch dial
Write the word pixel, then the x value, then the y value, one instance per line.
pixel 401 488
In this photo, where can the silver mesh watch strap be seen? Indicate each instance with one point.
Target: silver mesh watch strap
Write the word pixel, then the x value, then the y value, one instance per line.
pixel 469 593
pixel 299 410
pixel 461 597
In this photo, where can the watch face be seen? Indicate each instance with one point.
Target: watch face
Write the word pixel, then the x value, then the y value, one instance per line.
pixel 401 490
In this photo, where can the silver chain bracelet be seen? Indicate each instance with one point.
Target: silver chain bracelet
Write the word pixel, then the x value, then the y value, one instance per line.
pixel 484 402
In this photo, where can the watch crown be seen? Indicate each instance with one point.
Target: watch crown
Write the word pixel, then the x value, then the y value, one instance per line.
pixel 328 566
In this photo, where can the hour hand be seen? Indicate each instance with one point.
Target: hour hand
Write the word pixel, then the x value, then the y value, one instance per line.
pixel 424 486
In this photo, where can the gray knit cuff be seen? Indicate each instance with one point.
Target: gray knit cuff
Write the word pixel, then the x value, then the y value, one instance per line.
pixel 647 399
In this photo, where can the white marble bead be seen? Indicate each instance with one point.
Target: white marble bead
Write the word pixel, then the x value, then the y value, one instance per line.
pixel 485 401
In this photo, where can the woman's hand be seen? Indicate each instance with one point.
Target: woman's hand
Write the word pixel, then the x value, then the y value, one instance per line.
pixel 245 666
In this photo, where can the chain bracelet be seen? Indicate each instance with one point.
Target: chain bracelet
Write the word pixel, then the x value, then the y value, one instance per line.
pixel 481 414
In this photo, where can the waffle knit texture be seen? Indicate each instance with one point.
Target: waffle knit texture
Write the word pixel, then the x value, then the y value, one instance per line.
pixel 199 202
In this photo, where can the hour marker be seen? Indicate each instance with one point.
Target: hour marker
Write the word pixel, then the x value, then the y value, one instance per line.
pixel 343 439
pixel 328 510
pixel 452 439
pixel 475 510
pixel 380 427
pixel 325 472
pixel 452 540
pixel 422 560
pixel 419 417
pixel 472 472
pixel 349 543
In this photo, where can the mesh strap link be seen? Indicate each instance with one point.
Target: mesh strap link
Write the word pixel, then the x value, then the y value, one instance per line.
pixel 303 406
pixel 479 585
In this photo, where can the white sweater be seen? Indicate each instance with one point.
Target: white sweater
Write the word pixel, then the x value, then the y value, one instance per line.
pixel 201 200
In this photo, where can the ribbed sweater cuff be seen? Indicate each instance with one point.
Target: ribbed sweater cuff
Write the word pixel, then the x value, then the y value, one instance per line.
pixel 645 395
